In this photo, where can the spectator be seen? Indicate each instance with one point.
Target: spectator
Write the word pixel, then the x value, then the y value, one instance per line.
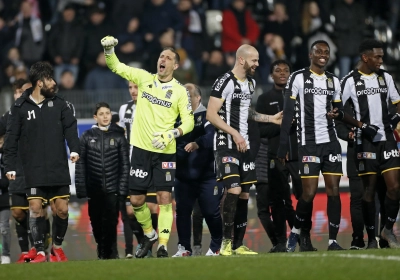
pixel 280 24
pixel 30 36
pixel 66 43
pixel 96 29
pixel 157 16
pixel 214 67
pixel 273 49
pixel 124 10
pixel 349 30
pixel 130 47
pixel 100 80
pixel 193 37
pixel 238 27
pixel 186 72
pixel 103 183
pixel 67 81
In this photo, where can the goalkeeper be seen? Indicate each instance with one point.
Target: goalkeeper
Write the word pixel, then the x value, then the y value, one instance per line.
pixel 161 100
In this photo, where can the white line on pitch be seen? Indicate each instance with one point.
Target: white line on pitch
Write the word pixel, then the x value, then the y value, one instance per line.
pixel 350 256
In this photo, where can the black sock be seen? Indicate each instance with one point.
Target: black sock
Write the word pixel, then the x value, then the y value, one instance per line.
pixel 334 212
pixel 29 229
pixel 303 215
pixel 228 213
pixel 21 228
pixel 136 228
pixel 197 221
pixel 154 221
pixel 368 209
pixel 38 228
pixel 60 229
pixel 47 226
pixel 240 223
pixel 392 209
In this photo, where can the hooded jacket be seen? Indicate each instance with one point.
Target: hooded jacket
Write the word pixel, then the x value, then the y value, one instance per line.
pixel 39 134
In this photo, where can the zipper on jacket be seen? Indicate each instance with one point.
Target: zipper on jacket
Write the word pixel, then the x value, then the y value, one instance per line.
pixel 102 160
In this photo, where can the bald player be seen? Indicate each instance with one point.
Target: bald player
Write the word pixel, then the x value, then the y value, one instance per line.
pixel 229 110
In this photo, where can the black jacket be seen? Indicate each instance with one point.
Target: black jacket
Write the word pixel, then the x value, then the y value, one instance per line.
pixel 4 196
pixel 271 103
pixel 342 131
pixel 41 132
pixel 16 186
pixel 103 166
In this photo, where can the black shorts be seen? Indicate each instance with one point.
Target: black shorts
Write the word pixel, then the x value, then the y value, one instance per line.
pixel 47 194
pixel 151 197
pixel 325 158
pixel 377 157
pixel 151 171
pixel 231 163
pixel 19 201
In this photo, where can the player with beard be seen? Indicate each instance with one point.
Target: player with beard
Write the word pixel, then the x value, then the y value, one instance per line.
pixel 39 123
pixel 310 95
pixel 228 110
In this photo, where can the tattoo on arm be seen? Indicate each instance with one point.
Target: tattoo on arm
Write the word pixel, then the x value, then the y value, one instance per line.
pixel 253 115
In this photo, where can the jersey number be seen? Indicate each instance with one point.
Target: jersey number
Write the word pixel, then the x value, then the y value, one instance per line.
pixel 31 115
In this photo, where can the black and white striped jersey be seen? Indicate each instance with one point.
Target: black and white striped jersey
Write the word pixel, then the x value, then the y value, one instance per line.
pixel 314 96
pixel 237 97
pixel 126 115
pixel 371 95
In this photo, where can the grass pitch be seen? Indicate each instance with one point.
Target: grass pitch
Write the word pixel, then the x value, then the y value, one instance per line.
pixel 371 264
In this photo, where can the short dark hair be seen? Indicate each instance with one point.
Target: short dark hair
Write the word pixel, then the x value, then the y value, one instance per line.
pixel 19 84
pixel 177 57
pixel 319 42
pixel 39 71
pixel 101 105
pixel 369 45
pixel 280 61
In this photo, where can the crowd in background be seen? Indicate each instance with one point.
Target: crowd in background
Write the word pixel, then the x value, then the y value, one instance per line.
pixel 67 34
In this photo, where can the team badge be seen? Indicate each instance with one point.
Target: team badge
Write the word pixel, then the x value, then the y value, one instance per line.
pixel 361 166
pixel 306 169
pixel 169 93
pixel 50 104
pixel 111 142
pixel 215 190
pixel 168 176
pixel 272 164
pixel 330 83
pixel 381 81
pixel 227 169
pixel 251 87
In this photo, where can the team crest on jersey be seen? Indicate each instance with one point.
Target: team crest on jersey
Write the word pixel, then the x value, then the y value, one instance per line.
pixel 168 94
pixel 366 155
pixel 230 159
pixel 330 83
pixel 198 121
pixel 381 81
pixel 50 104
pixel 112 142
pixel 251 87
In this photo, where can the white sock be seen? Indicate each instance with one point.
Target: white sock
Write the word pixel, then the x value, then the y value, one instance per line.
pixel 331 241
pixel 41 253
pixel 296 230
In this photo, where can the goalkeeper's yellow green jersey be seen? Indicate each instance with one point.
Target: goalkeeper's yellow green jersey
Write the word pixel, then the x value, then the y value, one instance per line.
pixel 158 106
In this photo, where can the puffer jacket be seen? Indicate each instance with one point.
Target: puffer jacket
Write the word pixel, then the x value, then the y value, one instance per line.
pixel 103 166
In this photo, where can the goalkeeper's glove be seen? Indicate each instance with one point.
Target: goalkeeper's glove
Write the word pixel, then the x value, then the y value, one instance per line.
pixel 394 120
pixel 163 139
pixel 108 43
pixel 369 129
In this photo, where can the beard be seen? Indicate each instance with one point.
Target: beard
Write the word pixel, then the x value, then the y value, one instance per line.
pixel 248 69
pixel 49 92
